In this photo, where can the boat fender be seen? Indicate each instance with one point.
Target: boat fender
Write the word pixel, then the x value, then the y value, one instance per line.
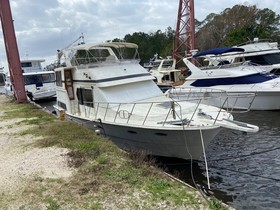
pixel 97 132
pixel 100 125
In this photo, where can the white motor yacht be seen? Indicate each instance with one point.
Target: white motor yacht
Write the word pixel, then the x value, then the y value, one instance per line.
pixel 104 87
pixel 234 79
pixel 39 84
pixel 164 70
pixel 265 53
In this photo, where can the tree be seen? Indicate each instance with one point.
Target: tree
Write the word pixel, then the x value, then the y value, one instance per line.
pixel 237 25
pixel 150 44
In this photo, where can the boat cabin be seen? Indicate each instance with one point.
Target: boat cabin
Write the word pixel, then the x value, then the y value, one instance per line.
pixel 31 65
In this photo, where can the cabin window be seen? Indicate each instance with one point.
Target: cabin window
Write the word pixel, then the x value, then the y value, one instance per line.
pixel 2 79
pixel 48 78
pixel 33 80
pixel 167 64
pixel 85 96
pixel 58 78
pixel 26 64
pixel 125 53
pixel 268 59
pixel 84 57
pixel 98 54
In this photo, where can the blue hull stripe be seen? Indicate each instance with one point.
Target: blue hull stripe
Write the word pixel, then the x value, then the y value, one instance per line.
pixel 249 79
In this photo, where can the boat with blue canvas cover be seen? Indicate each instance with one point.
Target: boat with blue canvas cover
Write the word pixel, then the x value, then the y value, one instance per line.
pixel 103 87
pixel 236 78
pixel 218 51
pixel 263 52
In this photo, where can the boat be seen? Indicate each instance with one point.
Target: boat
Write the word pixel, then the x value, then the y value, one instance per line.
pixel 259 52
pixel 164 70
pixel 39 83
pixel 2 81
pixel 103 87
pixel 234 79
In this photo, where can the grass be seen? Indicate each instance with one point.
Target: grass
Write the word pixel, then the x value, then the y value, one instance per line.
pixel 106 177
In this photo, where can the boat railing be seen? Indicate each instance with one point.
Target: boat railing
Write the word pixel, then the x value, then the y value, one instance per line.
pixel 163 113
pixel 214 97
pixel 224 66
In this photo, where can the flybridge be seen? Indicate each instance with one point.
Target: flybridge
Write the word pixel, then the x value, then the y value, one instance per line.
pixel 92 54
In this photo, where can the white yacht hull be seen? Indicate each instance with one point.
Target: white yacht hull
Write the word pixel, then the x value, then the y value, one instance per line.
pixel 157 142
pixel 263 101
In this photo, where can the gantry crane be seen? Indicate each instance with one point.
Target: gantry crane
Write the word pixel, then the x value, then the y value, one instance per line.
pixel 185 30
pixel 12 51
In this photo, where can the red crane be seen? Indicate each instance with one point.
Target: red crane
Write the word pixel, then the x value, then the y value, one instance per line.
pixel 12 51
pixel 185 30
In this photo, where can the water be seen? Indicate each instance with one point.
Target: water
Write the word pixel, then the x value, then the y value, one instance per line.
pixel 244 169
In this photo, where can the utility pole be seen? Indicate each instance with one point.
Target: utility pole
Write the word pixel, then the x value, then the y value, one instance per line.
pixel 12 51
pixel 185 30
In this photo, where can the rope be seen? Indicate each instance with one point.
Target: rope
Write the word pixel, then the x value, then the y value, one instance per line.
pixel 205 159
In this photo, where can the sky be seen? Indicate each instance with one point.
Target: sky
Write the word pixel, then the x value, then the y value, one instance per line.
pixel 42 26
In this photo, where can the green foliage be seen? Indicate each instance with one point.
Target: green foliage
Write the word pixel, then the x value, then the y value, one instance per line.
pixel 51 204
pixel 96 206
pixel 237 25
pixel 150 44
pixel 215 204
pixel 32 114
pixel 158 186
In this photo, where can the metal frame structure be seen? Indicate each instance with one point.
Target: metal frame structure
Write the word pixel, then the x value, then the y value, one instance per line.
pixel 185 30
pixel 12 51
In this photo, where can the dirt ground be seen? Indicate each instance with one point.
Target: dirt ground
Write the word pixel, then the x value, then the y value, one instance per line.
pixel 20 162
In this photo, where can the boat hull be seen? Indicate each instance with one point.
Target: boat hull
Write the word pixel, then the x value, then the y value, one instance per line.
pixel 157 142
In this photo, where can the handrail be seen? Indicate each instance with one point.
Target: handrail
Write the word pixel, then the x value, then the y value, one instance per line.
pixel 131 114
pixel 228 101
pixel 169 112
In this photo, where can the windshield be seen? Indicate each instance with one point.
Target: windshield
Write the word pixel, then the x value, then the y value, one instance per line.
pixel 267 59
pixel 38 78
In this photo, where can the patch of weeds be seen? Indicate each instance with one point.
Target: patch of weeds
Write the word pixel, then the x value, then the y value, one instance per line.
pixel 158 186
pixel 51 204
pixel 96 206
pixel 101 159
pixel 26 110
pixel 125 174
pixel 22 207
pixel 37 120
pixel 166 190
pixel 215 204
